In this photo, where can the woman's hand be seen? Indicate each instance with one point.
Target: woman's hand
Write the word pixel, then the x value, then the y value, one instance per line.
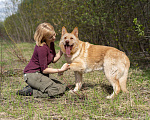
pixel 64 68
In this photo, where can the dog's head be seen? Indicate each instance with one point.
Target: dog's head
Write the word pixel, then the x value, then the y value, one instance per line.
pixel 69 41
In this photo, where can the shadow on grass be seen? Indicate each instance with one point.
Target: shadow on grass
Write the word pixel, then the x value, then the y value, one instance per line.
pixel 107 88
pixel 86 86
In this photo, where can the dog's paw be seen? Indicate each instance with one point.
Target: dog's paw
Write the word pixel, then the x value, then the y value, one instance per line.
pixel 71 91
pixel 111 96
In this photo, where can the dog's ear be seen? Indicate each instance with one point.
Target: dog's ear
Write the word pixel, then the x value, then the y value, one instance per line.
pixel 64 31
pixel 75 31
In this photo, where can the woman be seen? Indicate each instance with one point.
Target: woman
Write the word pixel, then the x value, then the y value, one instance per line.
pixel 37 74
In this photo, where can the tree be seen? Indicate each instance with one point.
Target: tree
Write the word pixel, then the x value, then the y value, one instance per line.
pixel 100 21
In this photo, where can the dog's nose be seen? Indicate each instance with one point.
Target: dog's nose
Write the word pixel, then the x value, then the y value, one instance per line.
pixel 67 42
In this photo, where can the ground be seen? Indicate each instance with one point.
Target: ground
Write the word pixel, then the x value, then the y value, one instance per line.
pixel 88 104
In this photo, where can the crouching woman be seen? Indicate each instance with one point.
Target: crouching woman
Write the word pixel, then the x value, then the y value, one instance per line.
pixel 37 74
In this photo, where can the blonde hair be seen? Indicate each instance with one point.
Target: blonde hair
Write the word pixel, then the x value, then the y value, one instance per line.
pixel 42 32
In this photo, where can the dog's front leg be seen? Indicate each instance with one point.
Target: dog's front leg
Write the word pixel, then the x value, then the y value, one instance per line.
pixel 78 80
pixel 78 69
pixel 78 66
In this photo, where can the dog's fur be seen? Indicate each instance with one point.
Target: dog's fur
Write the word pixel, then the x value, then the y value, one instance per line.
pixel 84 57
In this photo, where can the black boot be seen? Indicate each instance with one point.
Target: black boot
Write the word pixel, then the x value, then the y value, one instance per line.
pixel 26 91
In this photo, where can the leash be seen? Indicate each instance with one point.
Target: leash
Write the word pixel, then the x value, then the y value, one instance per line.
pixel 69 86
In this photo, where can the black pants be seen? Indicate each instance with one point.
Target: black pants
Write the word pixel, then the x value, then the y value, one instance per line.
pixel 44 86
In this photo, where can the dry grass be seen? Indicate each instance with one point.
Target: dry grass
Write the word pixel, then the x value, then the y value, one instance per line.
pixel 89 104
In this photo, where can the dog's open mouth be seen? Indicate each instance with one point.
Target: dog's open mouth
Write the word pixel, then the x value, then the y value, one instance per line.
pixel 68 49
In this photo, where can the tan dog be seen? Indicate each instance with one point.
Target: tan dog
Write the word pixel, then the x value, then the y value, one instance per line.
pixel 84 57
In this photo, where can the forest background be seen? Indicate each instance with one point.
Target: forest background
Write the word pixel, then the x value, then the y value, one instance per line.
pixel 122 24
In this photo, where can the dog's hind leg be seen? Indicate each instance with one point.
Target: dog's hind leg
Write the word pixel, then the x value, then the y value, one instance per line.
pixel 116 88
pixel 111 75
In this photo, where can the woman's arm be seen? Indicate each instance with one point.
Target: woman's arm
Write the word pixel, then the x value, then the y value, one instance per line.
pixel 52 70
pixel 57 57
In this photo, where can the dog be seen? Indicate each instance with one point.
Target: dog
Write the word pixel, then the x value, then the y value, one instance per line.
pixel 84 57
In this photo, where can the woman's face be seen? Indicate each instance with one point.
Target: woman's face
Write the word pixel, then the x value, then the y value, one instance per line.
pixel 52 37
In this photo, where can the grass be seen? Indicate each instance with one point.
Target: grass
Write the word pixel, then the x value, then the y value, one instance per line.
pixel 89 104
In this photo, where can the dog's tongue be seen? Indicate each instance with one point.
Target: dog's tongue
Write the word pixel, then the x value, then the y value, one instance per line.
pixel 68 51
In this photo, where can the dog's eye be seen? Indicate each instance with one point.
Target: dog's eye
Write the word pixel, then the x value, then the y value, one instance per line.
pixel 65 37
pixel 71 38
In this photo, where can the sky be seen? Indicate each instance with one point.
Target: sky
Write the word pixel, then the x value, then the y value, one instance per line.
pixel 3 4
